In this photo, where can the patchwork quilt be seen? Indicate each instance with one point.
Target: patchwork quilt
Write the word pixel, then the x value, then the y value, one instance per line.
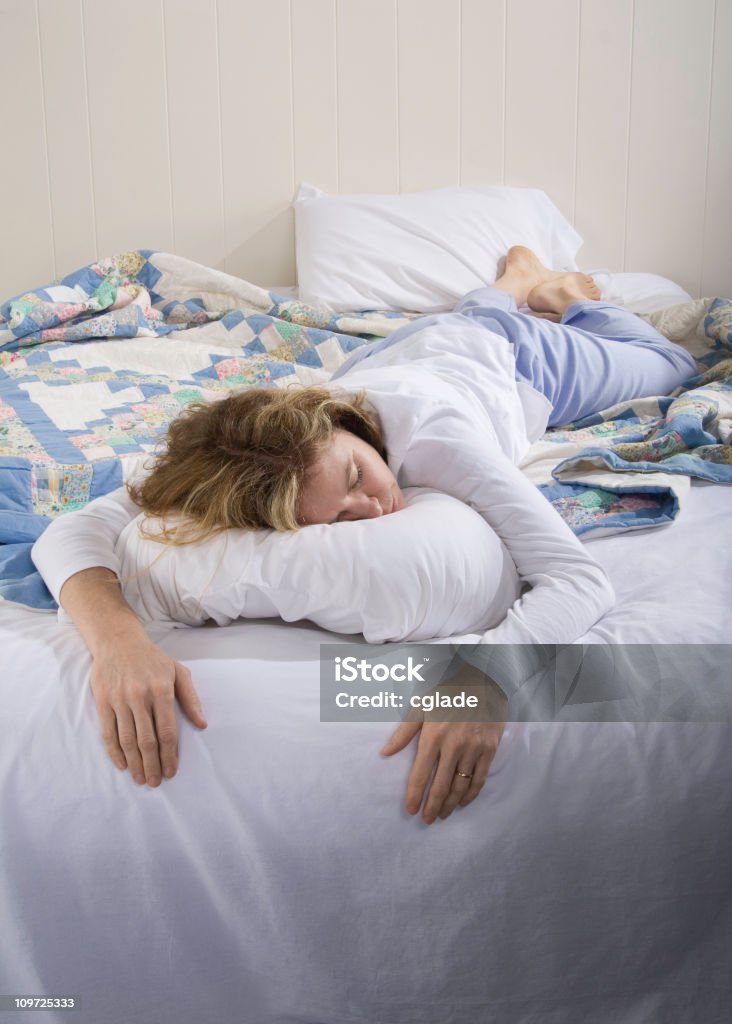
pixel 94 367
pixel 630 467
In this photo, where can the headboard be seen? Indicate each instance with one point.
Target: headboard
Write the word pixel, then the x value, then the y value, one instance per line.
pixel 185 125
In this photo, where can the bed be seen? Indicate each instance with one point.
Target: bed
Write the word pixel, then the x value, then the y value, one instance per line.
pixel 278 879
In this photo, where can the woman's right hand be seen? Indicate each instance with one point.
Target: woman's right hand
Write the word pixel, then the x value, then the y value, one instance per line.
pixel 135 685
pixel 134 682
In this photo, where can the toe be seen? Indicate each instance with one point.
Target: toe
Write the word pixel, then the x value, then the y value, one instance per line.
pixel 591 289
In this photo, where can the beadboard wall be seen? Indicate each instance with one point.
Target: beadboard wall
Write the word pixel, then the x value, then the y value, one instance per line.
pixel 186 125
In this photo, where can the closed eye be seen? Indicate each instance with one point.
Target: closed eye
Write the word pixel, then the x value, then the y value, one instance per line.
pixel 355 477
pixel 358 477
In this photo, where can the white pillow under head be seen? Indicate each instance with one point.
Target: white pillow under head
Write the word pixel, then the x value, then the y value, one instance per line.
pixel 420 251
pixel 435 569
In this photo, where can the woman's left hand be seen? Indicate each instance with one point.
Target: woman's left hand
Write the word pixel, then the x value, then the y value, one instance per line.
pixel 448 748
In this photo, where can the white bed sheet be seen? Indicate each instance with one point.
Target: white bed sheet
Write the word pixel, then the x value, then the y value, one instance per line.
pixel 278 879
pixel 672 583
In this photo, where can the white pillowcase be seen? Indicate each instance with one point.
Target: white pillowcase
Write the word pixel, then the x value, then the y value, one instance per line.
pixel 638 292
pixel 420 251
pixel 435 569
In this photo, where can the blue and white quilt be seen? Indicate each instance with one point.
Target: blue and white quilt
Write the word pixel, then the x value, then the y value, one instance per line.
pixel 630 467
pixel 94 368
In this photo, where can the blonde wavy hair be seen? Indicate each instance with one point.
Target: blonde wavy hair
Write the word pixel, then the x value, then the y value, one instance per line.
pixel 241 462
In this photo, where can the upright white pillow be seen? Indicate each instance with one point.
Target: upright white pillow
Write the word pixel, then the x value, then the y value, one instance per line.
pixel 420 251
pixel 435 569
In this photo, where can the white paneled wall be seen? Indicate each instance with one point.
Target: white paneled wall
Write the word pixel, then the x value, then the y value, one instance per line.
pixel 186 125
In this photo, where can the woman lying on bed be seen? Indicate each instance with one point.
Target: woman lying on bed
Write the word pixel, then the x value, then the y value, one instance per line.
pixel 449 402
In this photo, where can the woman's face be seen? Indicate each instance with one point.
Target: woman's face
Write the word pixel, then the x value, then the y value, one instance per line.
pixel 348 481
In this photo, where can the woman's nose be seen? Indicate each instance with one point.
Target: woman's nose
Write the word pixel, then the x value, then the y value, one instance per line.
pixel 370 508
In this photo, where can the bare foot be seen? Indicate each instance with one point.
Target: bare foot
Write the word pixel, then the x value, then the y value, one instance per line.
pixel 558 293
pixel 524 272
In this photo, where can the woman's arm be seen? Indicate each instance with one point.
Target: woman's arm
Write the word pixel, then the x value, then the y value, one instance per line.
pixel 569 593
pixel 83 540
pixel 133 681
pixel 569 590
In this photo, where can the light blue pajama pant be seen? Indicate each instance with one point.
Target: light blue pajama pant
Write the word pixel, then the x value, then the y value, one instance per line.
pixel 596 356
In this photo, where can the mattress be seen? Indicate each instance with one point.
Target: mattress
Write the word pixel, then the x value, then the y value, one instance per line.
pixel 277 878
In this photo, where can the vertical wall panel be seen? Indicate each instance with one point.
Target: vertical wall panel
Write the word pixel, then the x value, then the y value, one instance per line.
pixel 67 133
pixel 482 70
pixel 192 84
pixel 256 115
pixel 668 138
pixel 186 124
pixel 602 131
pixel 129 126
pixel 542 41
pixel 315 109
pixel 26 243
pixel 429 91
pixel 716 273
pixel 368 153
